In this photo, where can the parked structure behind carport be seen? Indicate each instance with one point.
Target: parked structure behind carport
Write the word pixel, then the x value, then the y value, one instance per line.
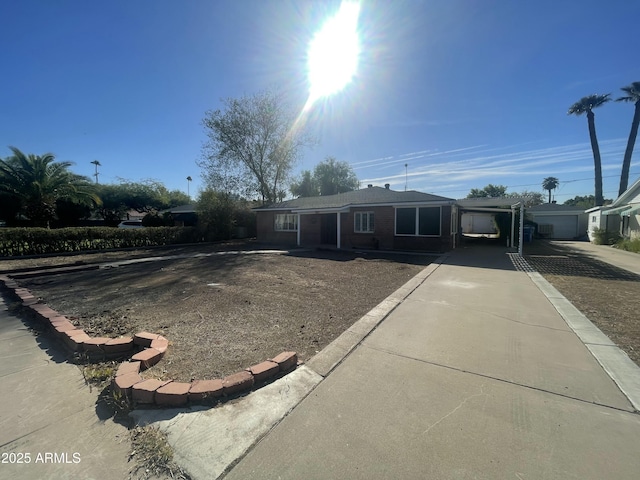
pixel 559 222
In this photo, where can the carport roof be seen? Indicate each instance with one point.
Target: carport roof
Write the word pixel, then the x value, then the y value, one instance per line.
pixel 490 201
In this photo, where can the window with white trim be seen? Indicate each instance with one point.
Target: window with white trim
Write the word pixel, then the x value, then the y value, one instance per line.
pixel 420 221
pixel 363 222
pixel 286 222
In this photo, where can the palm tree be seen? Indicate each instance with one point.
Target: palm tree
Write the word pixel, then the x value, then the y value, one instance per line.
pixel 97 164
pixel 189 179
pixel 550 183
pixel 633 95
pixel 37 182
pixel 586 105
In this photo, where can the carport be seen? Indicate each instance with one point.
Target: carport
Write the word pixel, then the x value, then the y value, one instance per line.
pixel 498 205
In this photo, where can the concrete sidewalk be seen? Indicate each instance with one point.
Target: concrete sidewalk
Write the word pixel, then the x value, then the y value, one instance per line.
pixel 49 424
pixel 475 375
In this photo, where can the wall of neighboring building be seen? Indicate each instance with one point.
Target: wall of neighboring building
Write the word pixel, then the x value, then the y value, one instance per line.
pixel 265 232
pixel 634 227
pixel 597 220
pixel 565 227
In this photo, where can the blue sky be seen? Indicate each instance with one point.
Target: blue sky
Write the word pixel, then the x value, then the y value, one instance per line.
pixel 464 92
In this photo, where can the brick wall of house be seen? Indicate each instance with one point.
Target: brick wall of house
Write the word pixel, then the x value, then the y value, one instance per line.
pixel 382 235
pixel 443 243
pixel 266 233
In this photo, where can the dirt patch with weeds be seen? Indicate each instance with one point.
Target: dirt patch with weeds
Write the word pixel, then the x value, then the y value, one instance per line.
pixel 221 311
pixel 609 296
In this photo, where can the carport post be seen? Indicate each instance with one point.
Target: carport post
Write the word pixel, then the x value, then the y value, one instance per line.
pixel 521 227
pixel 298 233
pixel 338 230
pixel 513 226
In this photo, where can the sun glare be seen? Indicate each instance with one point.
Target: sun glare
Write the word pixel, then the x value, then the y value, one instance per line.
pixel 333 52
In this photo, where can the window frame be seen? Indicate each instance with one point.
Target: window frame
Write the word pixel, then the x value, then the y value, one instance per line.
pixel 417 221
pixel 285 222
pixel 369 215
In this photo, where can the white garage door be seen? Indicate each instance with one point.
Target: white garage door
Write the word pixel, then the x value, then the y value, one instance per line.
pixel 564 226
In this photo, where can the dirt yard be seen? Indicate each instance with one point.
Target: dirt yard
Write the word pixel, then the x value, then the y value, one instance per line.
pixel 223 312
pixel 607 295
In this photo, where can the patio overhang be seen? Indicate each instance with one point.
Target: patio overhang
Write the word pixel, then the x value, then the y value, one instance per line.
pixel 617 210
pixel 633 210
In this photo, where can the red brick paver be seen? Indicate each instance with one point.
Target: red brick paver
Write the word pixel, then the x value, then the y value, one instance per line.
pixel 144 392
pixel 286 360
pixel 204 389
pixel 144 339
pixel 173 394
pixel 238 382
pixel 119 345
pixel 264 370
pixel 148 357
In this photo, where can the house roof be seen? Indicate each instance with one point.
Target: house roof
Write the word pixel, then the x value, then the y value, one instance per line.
pixel 555 208
pixel 363 197
pixel 181 209
pixel 630 194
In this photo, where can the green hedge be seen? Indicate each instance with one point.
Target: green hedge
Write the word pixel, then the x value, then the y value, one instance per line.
pixel 38 241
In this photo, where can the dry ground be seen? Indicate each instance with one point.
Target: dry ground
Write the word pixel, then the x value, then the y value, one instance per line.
pixel 607 295
pixel 223 313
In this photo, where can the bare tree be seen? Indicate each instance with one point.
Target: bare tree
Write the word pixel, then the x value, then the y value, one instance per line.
pixel 253 145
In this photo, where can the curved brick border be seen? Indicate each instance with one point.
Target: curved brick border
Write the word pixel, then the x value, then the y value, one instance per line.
pixel 147 349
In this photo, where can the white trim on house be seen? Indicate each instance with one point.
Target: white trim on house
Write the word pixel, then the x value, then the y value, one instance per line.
pixel 370 225
pixel 286 222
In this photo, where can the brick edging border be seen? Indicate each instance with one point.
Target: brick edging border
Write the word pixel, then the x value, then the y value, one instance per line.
pixel 147 349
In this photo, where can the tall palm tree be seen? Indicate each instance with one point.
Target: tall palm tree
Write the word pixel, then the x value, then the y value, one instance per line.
pixel 37 182
pixel 586 105
pixel 189 179
pixel 550 183
pixel 633 95
pixel 97 164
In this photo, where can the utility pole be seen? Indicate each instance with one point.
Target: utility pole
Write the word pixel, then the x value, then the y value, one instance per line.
pixel 405 176
pixel 97 164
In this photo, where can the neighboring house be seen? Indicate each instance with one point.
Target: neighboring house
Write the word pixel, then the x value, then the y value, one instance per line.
pixel 623 215
pixel 560 222
pixel 372 217
pixel 182 215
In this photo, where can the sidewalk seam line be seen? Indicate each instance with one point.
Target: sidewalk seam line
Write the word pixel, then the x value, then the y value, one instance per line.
pixel 501 380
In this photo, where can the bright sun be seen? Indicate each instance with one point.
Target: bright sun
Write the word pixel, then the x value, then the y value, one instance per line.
pixel 333 52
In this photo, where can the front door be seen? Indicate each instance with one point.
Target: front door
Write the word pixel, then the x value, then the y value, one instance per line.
pixel 328 229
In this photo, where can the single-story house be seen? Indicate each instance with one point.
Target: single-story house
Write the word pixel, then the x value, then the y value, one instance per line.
pixel 623 215
pixel 372 217
pixel 560 222
pixel 182 215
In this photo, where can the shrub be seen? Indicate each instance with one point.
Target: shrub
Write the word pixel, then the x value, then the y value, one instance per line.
pixel 39 241
pixel 629 245
pixel 605 237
